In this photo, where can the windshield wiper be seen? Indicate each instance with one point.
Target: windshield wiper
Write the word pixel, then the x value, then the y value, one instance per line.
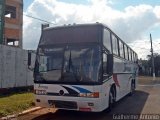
pixel 71 66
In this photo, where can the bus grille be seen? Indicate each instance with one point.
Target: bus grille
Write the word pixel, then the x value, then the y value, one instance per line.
pixel 63 104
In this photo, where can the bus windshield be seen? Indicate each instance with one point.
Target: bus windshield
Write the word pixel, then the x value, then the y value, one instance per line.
pixel 69 64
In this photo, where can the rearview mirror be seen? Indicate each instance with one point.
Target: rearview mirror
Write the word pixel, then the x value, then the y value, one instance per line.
pixel 31 60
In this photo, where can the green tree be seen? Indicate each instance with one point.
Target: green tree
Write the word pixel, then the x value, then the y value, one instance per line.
pixel 156 63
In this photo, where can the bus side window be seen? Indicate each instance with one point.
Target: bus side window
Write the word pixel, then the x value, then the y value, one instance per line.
pixel 126 52
pixel 107 40
pixel 129 54
pixel 115 44
pixel 134 57
pixel 121 49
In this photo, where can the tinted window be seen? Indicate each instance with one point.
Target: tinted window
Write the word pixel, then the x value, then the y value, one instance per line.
pixel 133 56
pixel 70 63
pixel 129 53
pixel 70 35
pixel 126 52
pixel 106 38
pixel 136 57
pixel 121 50
pixel 115 44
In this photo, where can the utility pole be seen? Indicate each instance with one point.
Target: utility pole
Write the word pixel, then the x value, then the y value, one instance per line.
pixel 152 58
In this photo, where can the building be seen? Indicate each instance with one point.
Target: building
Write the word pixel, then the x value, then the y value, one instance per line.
pixel 12 22
pixel 2 5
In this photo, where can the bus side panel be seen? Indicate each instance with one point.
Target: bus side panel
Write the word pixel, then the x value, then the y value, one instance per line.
pixel 122 76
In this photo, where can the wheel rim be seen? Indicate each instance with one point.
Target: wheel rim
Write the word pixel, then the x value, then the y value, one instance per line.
pixel 111 99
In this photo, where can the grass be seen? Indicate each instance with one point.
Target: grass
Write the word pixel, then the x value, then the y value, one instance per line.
pixel 15 103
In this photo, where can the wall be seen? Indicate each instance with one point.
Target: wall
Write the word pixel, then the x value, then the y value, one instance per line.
pixel 14 70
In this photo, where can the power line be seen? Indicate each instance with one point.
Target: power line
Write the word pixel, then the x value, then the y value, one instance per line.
pixel 133 46
pixel 153 42
pixel 39 19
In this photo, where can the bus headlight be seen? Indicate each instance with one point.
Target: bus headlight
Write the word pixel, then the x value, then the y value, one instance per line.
pixel 40 92
pixel 91 95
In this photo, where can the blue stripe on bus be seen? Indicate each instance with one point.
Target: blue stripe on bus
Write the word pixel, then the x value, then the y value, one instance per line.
pixel 82 90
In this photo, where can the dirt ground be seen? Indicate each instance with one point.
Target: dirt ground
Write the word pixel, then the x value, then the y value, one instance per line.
pixel 145 80
pixel 145 100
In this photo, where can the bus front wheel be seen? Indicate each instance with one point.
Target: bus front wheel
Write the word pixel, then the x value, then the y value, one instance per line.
pixel 132 89
pixel 112 96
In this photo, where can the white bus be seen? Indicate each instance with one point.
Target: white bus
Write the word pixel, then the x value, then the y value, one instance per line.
pixel 83 68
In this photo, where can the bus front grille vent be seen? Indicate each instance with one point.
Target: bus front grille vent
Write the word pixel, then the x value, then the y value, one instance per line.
pixel 63 104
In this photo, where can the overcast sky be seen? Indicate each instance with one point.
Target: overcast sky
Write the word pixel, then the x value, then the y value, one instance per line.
pixel 131 20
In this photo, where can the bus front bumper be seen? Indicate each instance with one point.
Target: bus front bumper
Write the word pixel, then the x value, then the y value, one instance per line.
pixel 70 103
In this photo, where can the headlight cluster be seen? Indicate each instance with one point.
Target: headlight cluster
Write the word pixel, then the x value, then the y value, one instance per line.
pixel 90 95
pixel 40 92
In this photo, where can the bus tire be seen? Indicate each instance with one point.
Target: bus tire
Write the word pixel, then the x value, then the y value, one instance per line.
pixel 132 88
pixel 112 96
